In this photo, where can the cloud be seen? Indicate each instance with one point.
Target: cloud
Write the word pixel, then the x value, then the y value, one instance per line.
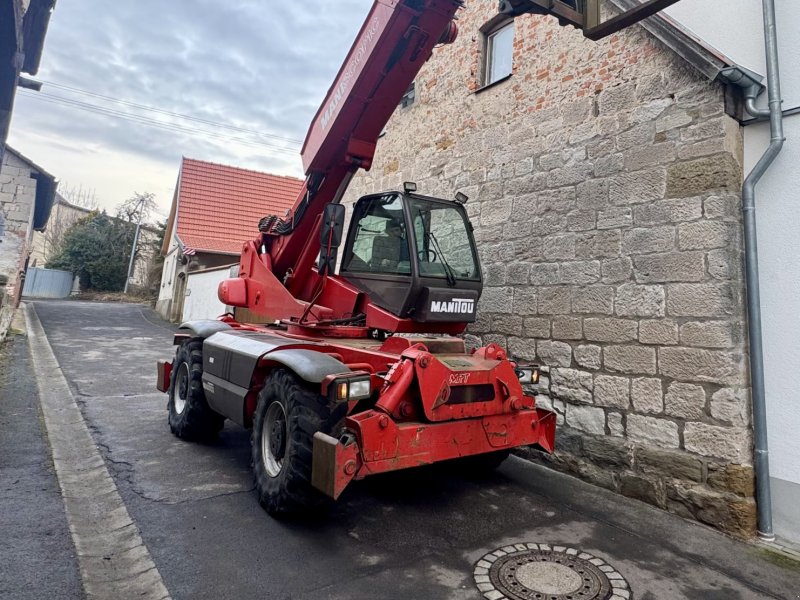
pixel 259 66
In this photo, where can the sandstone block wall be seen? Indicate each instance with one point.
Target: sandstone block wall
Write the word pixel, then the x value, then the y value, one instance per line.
pixel 17 199
pixel 604 187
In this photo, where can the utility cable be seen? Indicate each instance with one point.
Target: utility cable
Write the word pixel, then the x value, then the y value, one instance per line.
pixel 171 113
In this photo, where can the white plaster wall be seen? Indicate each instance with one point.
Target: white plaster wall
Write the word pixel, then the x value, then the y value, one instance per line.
pixel 201 295
pixel 735 27
pixel 778 218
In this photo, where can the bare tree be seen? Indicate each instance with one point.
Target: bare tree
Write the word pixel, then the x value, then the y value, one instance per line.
pixel 78 196
pixel 137 208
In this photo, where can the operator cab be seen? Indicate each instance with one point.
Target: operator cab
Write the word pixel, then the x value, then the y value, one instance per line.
pixel 414 256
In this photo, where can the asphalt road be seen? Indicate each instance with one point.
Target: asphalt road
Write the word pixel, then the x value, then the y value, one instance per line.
pixel 414 534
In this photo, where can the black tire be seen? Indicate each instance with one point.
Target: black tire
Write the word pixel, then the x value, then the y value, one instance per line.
pixel 190 417
pixel 292 413
pixel 480 464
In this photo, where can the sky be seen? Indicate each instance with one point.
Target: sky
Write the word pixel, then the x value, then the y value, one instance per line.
pixel 259 67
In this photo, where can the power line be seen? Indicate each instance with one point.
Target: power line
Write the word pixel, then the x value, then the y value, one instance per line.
pixel 174 127
pixel 171 113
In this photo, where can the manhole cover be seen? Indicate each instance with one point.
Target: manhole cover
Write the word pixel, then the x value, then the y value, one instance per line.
pixel 544 572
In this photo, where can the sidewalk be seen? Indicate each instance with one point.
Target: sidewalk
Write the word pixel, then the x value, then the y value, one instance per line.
pixel 37 556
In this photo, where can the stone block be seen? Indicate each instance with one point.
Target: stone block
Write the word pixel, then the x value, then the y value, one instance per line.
pixel 612 392
pixel 572 385
pixel 677 465
pixel 567 328
pixel 668 211
pixel 496 300
pixel 617 98
pixel 707 235
pixel 616 270
pixel 562 200
pixel 518 273
pixel 640 300
pixel 554 300
pixel 536 327
pixel 647 395
pixel 649 240
pixel 724 264
pixel 545 274
pixel 737 517
pixel 726 208
pixel 494 275
pixel 702 300
pixel 507 324
pixel 673 120
pixel 524 300
pixel 712 334
pixel 616 424
pixel 609 165
pixel 736 479
pixel 589 419
pixel 554 354
pixel 639 136
pixel 600 244
pixel 595 299
pixel 593 193
pixel 559 246
pixel 615 217
pixel 610 330
pixel 581 220
pixel 661 332
pixel 670 266
pixel 652 431
pixel 630 359
pixel 495 212
pixel 608 452
pixel 706 366
pixel 521 348
pixel 729 443
pixel 711 128
pixel 685 400
pixel 704 175
pixel 638 187
pixel 650 156
pixel 731 406
pixel 641 488
pixel 580 272
pixel 588 356
pixel 566 176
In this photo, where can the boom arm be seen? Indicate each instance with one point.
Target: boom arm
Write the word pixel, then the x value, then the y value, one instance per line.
pixel 396 39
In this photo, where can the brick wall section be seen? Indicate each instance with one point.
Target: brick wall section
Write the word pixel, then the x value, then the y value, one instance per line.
pixel 604 187
pixel 17 198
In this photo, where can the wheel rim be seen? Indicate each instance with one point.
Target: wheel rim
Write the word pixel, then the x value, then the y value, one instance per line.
pixel 180 390
pixel 274 439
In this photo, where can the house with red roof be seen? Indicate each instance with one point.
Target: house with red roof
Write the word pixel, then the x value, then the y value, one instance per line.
pixel 215 209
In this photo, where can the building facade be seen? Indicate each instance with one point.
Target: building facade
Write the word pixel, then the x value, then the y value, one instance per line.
pixel 26 197
pixel 604 182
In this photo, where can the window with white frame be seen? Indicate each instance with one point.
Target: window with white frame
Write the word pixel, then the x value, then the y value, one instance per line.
pixel 499 53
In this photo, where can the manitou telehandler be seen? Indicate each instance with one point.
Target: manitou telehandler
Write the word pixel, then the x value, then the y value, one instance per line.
pixel 344 375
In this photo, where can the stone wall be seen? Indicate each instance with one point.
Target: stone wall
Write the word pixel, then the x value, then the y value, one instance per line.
pixel 604 187
pixel 17 199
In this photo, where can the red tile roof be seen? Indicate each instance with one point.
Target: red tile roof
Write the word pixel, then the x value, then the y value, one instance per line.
pixel 219 206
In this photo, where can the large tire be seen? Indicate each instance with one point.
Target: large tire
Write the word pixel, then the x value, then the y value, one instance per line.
pixel 287 416
pixel 190 417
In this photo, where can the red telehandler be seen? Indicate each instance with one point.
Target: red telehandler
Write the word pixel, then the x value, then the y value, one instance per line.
pixel 344 375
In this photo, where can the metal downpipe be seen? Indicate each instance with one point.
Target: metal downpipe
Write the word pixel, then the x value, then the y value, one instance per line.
pixel 761 458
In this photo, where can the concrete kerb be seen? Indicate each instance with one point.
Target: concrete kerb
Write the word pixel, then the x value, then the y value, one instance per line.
pixel 90 495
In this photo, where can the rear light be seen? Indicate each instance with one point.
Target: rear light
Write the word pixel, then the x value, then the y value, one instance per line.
pixel 529 375
pixel 347 389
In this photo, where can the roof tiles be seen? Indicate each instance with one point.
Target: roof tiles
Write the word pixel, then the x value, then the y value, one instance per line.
pixel 219 206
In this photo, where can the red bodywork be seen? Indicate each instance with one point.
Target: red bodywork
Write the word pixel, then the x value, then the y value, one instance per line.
pixel 432 400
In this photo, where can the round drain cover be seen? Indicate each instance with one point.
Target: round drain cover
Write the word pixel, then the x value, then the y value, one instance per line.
pixel 545 572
